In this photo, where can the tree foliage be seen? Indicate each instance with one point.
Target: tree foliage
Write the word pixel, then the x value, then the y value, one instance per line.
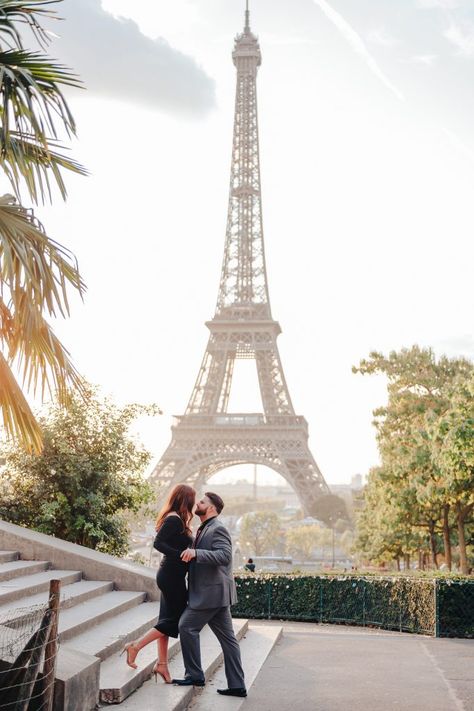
pixel 409 499
pixel 260 532
pixel 36 272
pixel 302 541
pixel 329 509
pixel 86 476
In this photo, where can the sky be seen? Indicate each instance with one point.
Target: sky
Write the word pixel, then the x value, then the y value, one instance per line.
pixel 366 115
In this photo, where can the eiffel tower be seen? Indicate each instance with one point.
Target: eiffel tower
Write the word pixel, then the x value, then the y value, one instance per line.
pixel 207 437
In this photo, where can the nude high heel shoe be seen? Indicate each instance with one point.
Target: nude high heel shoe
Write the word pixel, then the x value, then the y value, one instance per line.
pixel 132 652
pixel 156 671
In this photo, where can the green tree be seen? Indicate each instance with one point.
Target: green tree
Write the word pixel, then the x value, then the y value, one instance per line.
pixel 385 531
pixel 454 452
pixel 35 271
pixel 86 477
pixel 302 540
pixel 329 509
pixel 419 387
pixel 260 532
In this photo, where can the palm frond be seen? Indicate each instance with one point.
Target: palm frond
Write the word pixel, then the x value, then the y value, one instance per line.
pixel 25 12
pixel 32 107
pixel 30 93
pixel 43 360
pixel 18 419
pixel 23 158
pixel 33 266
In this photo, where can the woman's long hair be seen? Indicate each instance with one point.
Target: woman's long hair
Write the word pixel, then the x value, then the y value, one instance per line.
pixel 181 501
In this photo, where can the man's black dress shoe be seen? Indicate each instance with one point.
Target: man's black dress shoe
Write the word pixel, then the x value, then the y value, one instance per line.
pixel 240 691
pixel 187 681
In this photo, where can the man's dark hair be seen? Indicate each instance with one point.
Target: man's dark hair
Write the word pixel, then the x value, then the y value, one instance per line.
pixel 216 500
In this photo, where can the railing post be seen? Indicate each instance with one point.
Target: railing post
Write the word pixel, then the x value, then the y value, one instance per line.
pixel 436 607
pixel 320 600
pixel 51 649
pixel 363 601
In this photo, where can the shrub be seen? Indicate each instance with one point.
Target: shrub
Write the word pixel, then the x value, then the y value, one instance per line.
pixel 410 604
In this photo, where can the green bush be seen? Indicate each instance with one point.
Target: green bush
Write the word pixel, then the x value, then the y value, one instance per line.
pixel 456 608
pixel 410 604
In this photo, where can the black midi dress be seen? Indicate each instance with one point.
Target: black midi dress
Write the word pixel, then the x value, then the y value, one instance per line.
pixel 172 540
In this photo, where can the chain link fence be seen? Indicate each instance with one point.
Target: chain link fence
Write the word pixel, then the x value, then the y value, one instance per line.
pixel 28 648
pixel 424 606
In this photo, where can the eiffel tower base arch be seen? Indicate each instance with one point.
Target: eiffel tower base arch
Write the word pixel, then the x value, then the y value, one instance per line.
pixel 201 446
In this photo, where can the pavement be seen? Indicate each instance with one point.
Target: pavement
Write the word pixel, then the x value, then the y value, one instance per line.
pixel 338 668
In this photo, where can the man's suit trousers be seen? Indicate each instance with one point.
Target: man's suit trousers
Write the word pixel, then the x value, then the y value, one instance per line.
pixel 220 621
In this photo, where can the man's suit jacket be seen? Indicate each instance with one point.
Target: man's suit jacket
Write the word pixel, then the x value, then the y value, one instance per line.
pixel 211 581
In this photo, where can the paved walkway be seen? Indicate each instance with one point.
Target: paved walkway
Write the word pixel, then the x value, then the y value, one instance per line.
pixel 336 668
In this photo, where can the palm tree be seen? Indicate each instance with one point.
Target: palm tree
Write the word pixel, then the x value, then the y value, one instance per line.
pixel 35 271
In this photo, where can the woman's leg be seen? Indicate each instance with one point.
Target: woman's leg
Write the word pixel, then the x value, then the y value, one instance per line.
pixel 132 648
pixel 150 636
pixel 163 648
pixel 161 666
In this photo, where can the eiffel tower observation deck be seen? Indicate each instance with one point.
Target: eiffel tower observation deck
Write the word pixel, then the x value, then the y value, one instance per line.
pixel 207 437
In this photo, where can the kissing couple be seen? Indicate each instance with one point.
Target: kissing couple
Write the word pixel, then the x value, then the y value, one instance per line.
pixel 206 562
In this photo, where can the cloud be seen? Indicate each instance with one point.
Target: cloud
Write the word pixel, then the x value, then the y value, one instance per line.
pixel 459 145
pixel 115 59
pixel 357 44
pixel 380 36
pixel 443 4
pixel 426 59
pixel 462 37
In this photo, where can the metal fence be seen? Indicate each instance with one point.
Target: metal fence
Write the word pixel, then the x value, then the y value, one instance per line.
pixel 433 607
pixel 28 649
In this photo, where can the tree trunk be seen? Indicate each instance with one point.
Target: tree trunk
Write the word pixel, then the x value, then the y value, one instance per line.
pixel 434 551
pixel 421 560
pixel 447 537
pixel 460 515
pixel 398 563
pixel 406 559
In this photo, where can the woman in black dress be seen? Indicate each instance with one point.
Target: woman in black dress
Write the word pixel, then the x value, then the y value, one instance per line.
pixel 173 535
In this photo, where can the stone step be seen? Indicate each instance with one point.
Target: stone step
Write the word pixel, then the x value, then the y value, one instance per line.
pixel 18 568
pixel 255 649
pixel 71 595
pixel 118 681
pixel 18 588
pixel 109 637
pixel 175 698
pixel 83 617
pixel 7 556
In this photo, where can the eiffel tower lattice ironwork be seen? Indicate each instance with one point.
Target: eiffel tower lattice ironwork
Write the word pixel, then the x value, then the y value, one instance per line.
pixel 207 437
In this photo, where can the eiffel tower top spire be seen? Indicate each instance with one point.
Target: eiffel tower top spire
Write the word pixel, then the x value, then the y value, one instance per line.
pixel 243 290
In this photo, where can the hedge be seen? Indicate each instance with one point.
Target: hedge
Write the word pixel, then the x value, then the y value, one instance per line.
pixel 440 607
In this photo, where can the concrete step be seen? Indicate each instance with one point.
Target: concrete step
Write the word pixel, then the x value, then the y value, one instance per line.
pixel 18 588
pixel 85 616
pixel 71 595
pixel 118 681
pixel 18 568
pixel 175 698
pixel 7 556
pixel 108 637
pixel 255 649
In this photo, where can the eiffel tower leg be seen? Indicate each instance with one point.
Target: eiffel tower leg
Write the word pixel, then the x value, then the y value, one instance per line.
pixel 303 474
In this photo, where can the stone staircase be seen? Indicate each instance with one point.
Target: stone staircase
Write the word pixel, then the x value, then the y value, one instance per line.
pixel 95 622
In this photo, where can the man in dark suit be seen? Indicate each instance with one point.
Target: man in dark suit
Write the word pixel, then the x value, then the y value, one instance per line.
pixel 211 593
